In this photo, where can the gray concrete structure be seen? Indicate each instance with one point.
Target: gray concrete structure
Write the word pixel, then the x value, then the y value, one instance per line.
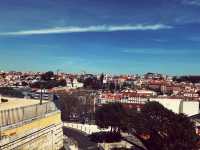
pixel 31 127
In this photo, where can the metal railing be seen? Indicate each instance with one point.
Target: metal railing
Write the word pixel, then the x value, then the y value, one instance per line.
pixel 15 115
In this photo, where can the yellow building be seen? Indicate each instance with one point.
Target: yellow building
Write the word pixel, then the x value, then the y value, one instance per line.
pixel 27 125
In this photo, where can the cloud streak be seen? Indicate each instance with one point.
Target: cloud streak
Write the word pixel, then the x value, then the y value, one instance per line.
pixel 100 28
pixel 159 51
pixel 192 2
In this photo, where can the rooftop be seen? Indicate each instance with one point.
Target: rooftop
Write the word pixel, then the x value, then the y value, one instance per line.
pixel 17 102
pixel 17 110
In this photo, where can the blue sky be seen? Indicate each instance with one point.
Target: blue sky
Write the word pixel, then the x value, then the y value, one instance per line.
pixel 111 36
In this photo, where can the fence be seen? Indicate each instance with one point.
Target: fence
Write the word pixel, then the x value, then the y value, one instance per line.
pixel 15 115
pixel 85 128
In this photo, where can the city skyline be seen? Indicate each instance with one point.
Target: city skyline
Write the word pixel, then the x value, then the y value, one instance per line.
pixel 101 36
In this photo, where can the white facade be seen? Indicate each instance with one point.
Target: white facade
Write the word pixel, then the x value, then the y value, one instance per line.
pixel 179 106
pixel 77 84
pixel 190 107
pixel 171 104
pixel 74 84
pixel 148 92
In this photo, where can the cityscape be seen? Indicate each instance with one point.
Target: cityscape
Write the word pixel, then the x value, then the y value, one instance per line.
pixel 100 75
pixel 80 96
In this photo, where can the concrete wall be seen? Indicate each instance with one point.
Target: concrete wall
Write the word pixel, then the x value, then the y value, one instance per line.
pixel 39 134
pixel 171 104
pixel 110 146
pixel 15 115
pixel 179 106
pixel 190 107
pixel 49 138
pixel 85 128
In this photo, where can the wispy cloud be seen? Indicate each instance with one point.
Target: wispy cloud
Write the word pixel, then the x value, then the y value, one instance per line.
pixel 191 2
pixel 160 40
pixel 144 51
pixel 100 28
pixel 159 51
pixel 194 39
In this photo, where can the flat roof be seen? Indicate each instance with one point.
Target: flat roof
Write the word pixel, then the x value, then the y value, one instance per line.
pixel 18 102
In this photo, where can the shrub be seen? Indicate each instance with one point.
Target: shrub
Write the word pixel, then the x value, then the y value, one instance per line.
pixel 108 137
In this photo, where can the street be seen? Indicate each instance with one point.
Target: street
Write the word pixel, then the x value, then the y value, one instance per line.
pixel 84 142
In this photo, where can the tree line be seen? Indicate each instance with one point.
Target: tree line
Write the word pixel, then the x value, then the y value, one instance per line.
pixel 11 92
pixel 190 79
pixel 48 81
pixel 76 106
pixel 155 126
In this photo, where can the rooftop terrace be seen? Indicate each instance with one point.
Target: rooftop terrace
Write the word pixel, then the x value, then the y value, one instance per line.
pixel 17 103
pixel 17 110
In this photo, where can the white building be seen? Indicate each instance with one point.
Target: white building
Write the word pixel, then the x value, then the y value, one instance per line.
pixel 77 84
pixel 146 92
pixel 190 107
pixel 74 84
pixel 179 106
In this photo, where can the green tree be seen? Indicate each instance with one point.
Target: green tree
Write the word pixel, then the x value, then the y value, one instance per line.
pixel 47 76
pixel 161 129
pixel 62 82
pixel 11 92
pixel 79 102
pixel 69 105
pixel 111 115
pixel 101 80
